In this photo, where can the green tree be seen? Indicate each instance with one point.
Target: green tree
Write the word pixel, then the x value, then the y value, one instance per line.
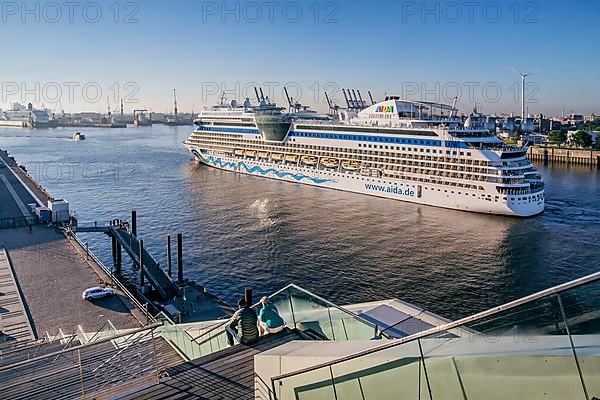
pixel 559 137
pixel 518 135
pixel 597 143
pixel 581 139
pixel 591 126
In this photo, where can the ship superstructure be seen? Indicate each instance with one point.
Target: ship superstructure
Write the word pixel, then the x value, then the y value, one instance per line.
pixel 419 152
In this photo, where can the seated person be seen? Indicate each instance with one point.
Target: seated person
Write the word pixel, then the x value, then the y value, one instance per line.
pixel 247 332
pixel 269 319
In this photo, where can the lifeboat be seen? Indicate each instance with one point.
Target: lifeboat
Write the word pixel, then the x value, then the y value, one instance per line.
pixel 309 160
pixel 330 162
pixel 371 172
pixel 277 156
pixel 251 153
pixel 263 154
pixel 351 165
pixel 239 152
pixel 291 158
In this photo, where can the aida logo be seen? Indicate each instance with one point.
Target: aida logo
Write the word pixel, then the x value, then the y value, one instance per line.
pixel 385 109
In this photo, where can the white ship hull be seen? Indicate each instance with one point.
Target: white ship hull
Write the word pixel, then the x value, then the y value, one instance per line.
pixel 395 189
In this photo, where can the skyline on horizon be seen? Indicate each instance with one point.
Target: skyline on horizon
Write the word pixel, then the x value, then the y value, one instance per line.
pixel 430 51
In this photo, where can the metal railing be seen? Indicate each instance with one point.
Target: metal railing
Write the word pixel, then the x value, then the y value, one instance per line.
pixel 179 339
pixel 18 222
pixel 107 330
pixel 320 318
pixel 492 317
pixel 32 349
pixel 89 368
pixel 344 311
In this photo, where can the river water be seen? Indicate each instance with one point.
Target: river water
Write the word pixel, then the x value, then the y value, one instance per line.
pixel 245 231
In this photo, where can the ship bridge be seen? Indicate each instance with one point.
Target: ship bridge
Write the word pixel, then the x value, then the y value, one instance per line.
pixel 393 109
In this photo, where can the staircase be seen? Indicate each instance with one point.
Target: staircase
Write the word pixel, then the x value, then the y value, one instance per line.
pixel 227 373
pixel 89 370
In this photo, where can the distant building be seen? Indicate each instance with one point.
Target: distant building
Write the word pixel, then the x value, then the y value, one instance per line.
pixel 592 118
pixel 157 118
pixel 92 117
pixel 575 119
pixel 27 116
pixel 534 138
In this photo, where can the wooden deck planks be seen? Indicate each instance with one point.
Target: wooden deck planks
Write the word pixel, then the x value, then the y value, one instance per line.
pixel 227 374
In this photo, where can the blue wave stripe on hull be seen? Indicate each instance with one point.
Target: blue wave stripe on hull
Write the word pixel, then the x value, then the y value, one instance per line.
pixel 217 162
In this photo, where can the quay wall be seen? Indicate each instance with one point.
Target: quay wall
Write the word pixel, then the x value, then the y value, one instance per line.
pixel 29 182
pixel 566 156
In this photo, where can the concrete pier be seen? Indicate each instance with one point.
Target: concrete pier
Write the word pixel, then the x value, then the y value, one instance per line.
pixel 564 156
pixel 51 275
pixel 43 273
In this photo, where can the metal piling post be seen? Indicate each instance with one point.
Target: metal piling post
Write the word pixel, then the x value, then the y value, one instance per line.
pixel 180 257
pixel 141 259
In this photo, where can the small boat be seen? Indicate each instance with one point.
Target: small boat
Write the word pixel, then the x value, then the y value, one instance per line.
pixel 263 154
pixel 330 162
pixel 291 158
pixel 239 152
pixel 309 160
pixel 351 165
pixel 251 153
pixel 77 136
pixel 277 156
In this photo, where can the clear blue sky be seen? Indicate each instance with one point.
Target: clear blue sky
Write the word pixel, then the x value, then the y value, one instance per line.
pixel 422 50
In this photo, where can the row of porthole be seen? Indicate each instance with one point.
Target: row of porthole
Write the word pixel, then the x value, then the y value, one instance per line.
pixel 482 197
pixel 309 149
pixel 352 176
pixel 424 167
pixel 394 183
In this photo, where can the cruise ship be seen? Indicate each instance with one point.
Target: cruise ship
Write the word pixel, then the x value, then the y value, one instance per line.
pixel 25 117
pixel 419 152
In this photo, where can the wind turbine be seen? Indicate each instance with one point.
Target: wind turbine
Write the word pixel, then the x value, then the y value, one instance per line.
pixel 523 76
